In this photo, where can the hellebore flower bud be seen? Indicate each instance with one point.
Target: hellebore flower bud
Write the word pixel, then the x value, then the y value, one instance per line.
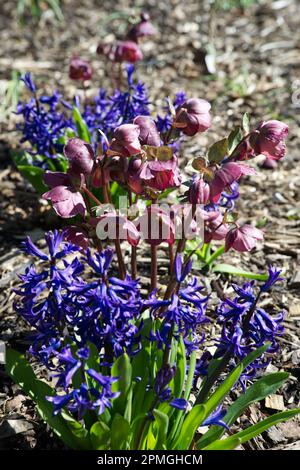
pixel 193 116
pixel 199 191
pixel 80 69
pixel 149 134
pixel 142 29
pixel 80 156
pixel 125 142
pixel 268 139
pixel 243 238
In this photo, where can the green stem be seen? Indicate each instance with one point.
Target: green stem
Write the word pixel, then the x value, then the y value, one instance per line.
pixel 215 255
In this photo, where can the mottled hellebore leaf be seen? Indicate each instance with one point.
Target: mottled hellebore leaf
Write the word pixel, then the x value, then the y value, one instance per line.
pixel 163 153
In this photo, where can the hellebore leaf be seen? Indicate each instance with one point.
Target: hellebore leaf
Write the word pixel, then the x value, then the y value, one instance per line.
pixel 22 373
pixel 162 153
pixel 260 389
pixel 218 151
pixel 246 122
pixel 234 139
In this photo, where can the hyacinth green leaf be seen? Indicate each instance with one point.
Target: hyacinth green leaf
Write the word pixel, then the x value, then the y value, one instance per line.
pixel 246 122
pixel 258 391
pixel 82 129
pixel 68 429
pixel 100 436
pixel 122 369
pixel 229 269
pixel 34 175
pixel 234 139
pixel 255 430
pixel 120 433
pixel 161 425
pixel 224 445
pixel 218 151
pixel 178 381
pixel 189 427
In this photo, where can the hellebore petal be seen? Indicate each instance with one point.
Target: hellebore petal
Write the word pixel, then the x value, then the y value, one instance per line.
pixel 77 236
pixel 156 226
pixel 114 226
pixel 193 116
pixel 56 178
pixel 67 202
pixel 243 238
pixel 80 156
pixel 268 139
pixel 160 175
pixel 199 191
pixel 125 142
pixel 149 134
pixel 126 51
pixel 142 29
pixel 214 228
pixel 225 176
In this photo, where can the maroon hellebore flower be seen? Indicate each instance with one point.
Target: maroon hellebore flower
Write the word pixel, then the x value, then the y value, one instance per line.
pixel 123 51
pixel 80 156
pixel 156 226
pixel 268 139
pixel 214 228
pixel 227 174
pixel 193 116
pixel 80 69
pixel 77 236
pixel 66 199
pixel 125 142
pixel 114 226
pixel 160 175
pixel 243 238
pixel 149 134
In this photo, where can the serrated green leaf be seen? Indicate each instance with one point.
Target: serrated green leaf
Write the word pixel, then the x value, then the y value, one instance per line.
pixel 229 269
pixel 218 151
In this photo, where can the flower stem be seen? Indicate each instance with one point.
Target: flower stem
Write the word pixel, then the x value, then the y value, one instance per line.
pixel 122 268
pixel 133 263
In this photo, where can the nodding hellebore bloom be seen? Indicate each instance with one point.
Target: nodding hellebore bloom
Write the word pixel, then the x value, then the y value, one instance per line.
pixel 80 156
pixel 199 191
pixel 122 51
pixel 193 116
pixel 125 141
pixel 149 134
pixel 243 238
pixel 144 28
pixel 80 69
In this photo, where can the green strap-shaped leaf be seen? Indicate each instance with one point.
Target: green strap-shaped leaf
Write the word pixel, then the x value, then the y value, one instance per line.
pixel 82 129
pixel 224 445
pixel 162 424
pixel 22 373
pixel 122 369
pixel 100 436
pixel 256 429
pixel 229 269
pixel 120 433
pixel 190 425
pixel 257 391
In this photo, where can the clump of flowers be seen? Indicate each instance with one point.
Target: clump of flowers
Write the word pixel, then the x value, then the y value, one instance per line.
pixel 120 358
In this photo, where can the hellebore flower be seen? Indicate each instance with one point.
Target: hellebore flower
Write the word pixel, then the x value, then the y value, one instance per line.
pixel 268 139
pixel 123 51
pixel 149 134
pixel 80 69
pixel 132 176
pixel 80 156
pixel 214 228
pixel 193 116
pixel 160 175
pixel 66 199
pixel 243 238
pixel 199 191
pixel 225 176
pixel 125 142
pixel 114 226
pixel 156 226
pixel 142 29
pixel 77 236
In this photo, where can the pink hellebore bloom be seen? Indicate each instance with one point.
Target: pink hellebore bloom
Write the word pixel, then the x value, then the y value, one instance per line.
pixel 66 199
pixel 199 191
pixel 160 175
pixel 193 116
pixel 268 139
pixel 132 176
pixel 128 51
pixel 125 142
pixel 225 176
pixel 156 226
pixel 149 134
pixel 243 238
pixel 142 29
pixel 80 156
pixel 214 228
pixel 80 69
pixel 114 226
